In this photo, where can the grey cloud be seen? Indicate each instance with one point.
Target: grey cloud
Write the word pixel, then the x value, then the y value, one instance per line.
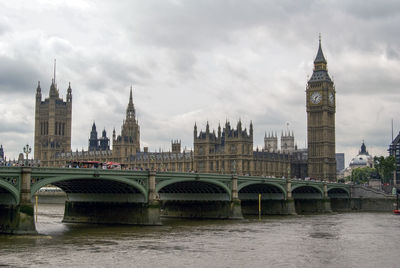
pixel 17 76
pixel 206 60
pixel 372 9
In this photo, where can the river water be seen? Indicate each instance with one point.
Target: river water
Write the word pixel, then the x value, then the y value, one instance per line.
pixel 330 240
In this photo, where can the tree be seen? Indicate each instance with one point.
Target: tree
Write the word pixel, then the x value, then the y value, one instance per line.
pixel 385 167
pixel 362 175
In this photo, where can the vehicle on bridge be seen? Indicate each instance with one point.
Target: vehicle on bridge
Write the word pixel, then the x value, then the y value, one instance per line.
pixel 94 164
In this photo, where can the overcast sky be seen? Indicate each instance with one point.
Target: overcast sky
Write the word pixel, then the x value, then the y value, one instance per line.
pixel 193 61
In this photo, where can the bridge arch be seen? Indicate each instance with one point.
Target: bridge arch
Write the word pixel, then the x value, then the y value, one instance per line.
pixel 338 192
pixel 307 192
pixel 193 189
pixel 8 193
pixel 109 183
pixel 268 190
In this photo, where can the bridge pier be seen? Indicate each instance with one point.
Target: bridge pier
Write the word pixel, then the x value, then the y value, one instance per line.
pixel 19 218
pixel 236 207
pixel 326 201
pixel 290 205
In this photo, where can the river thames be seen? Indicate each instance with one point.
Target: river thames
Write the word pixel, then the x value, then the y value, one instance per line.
pixel 330 240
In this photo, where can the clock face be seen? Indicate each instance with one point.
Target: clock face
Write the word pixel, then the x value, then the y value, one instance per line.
pixel 331 98
pixel 316 97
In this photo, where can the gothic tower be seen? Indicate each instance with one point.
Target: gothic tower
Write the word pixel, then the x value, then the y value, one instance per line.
pixel 271 142
pixel 321 108
pixel 287 142
pixel 52 124
pixel 128 143
pixel 93 141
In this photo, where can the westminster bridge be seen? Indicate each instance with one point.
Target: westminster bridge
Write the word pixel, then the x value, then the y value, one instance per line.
pixel 142 197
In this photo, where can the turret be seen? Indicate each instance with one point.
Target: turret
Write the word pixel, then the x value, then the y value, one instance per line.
pixel 239 126
pixel 69 93
pixel 93 141
pixel 207 129
pixel 219 131
pixel 195 131
pixel 130 110
pixel 320 61
pixel 53 90
pixel 38 93
pixel 251 128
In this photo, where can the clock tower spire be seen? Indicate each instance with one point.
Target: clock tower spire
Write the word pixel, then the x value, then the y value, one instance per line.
pixel 321 109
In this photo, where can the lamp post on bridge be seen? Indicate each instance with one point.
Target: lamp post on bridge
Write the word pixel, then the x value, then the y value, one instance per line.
pixel 27 151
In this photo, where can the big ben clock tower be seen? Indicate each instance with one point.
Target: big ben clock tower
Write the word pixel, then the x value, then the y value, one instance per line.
pixel 320 94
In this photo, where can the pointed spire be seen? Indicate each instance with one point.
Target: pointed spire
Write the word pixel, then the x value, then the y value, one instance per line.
pixel 320 58
pixel 130 111
pixel 69 93
pixel 38 93
pixel 130 96
pixel 54 77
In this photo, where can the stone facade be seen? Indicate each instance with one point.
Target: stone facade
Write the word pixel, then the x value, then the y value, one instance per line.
pixel 271 142
pixel 128 143
pixel 321 108
pixel 53 118
pixel 229 150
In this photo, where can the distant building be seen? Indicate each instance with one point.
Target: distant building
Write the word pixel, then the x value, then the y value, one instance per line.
pixel 1 153
pixel 287 142
pixel 363 159
pixel 339 162
pixel 271 142
pixel 98 144
pixel 394 150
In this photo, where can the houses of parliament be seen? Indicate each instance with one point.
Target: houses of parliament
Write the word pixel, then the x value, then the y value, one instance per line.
pixel 230 149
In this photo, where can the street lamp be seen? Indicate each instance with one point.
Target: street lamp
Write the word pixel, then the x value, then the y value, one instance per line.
pixel 27 151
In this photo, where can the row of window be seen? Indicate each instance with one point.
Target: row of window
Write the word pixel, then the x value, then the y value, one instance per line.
pixel 59 128
pixel 245 149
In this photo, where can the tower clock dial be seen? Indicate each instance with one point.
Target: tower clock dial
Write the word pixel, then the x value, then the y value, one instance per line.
pixel 316 97
pixel 331 98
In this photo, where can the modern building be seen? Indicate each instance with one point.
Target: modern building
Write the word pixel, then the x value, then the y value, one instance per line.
pixel 394 150
pixel 339 162
pixel 321 108
pixel 1 153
